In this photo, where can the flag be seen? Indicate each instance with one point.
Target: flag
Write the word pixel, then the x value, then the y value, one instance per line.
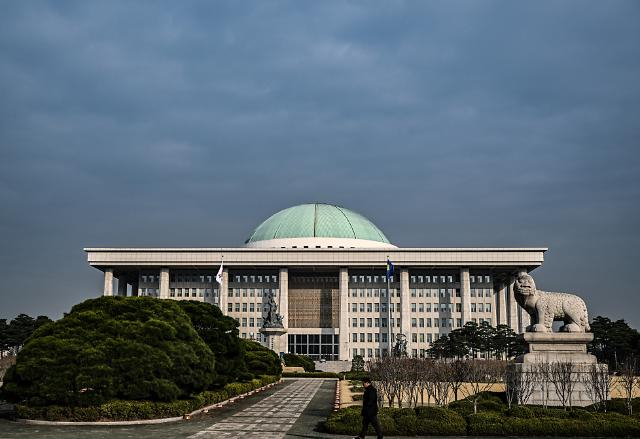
pixel 219 275
pixel 389 269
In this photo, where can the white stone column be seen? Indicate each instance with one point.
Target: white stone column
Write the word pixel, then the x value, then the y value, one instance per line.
pixel 343 280
pixel 108 282
pixel 283 307
pixel 405 308
pixel 164 283
pixel 465 295
pixel 501 298
pixel 223 292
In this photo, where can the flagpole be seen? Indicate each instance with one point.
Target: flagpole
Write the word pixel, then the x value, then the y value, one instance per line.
pixel 388 309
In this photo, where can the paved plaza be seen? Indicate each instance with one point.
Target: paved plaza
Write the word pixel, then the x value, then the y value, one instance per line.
pixel 270 418
pixel 291 409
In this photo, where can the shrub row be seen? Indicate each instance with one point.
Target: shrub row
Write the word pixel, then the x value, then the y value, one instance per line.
pixel 421 421
pixel 310 375
pixel 519 421
pixel 576 423
pixel 122 410
pixel 355 375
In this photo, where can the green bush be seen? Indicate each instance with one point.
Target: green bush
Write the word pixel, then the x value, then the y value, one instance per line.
pixel 123 410
pixel 261 360
pixel 423 421
pixel 293 360
pixel 585 425
pixel 220 333
pixel 440 421
pixel 128 348
pixel 355 375
pixel 485 424
pixel 581 414
pixel 618 405
pixel 520 411
pixel 488 403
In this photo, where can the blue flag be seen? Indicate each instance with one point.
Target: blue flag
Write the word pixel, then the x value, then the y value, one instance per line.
pixel 389 269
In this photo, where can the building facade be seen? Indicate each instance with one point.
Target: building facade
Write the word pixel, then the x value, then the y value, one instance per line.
pixel 326 269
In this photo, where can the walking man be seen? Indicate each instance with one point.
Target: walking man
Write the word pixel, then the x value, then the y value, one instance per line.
pixel 369 410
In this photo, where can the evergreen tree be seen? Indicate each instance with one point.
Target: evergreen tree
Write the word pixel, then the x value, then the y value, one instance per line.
pixel 112 347
pixel 220 333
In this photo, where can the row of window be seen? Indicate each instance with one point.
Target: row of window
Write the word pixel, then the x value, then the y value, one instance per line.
pixel 422 322
pixel 180 292
pixel 435 279
pixel 373 292
pixel 256 278
pixel 192 292
pixel 246 307
pixel 251 292
pixel 250 322
pixel 374 322
pixel 480 292
pixel 419 292
pixel 208 278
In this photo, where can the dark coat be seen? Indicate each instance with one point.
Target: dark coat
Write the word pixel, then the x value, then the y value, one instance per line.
pixel 370 402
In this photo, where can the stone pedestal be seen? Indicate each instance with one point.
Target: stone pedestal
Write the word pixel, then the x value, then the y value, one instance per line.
pixel 274 338
pixel 546 351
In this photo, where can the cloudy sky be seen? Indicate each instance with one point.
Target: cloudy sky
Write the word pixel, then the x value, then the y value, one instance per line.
pixel 459 123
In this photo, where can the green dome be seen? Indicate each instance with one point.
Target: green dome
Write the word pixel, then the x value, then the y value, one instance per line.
pixel 317 221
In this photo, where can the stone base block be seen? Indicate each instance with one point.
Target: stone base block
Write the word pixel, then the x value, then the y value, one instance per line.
pixel 550 347
pixel 544 390
pixel 274 338
pixel 546 351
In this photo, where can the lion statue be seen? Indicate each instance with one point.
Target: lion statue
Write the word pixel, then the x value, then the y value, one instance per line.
pixel 545 308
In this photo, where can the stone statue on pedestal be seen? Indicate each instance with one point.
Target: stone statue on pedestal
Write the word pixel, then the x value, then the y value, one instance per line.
pixel 272 319
pixel 400 347
pixel 549 351
pixel 545 308
pixel 272 327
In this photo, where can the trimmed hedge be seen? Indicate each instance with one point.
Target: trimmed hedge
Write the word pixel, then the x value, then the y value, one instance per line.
pixel 576 422
pixel 519 421
pixel 310 375
pixel 422 421
pixel 122 410
pixel 354 375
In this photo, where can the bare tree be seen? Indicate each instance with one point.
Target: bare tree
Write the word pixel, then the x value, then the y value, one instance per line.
pixel 511 388
pixel 597 382
pixel 381 371
pixel 459 370
pixel 519 384
pixel 562 377
pixel 481 376
pixel 629 380
pixel 542 378
pixel 440 381
pixel 425 367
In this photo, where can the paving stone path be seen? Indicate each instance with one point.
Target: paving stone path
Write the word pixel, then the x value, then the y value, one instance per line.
pixel 270 418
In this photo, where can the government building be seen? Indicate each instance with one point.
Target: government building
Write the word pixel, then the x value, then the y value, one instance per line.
pixel 325 267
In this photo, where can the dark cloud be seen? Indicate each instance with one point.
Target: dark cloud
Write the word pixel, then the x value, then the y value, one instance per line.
pixel 449 124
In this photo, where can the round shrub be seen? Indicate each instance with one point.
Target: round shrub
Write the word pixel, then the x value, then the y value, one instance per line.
pixel 485 424
pixel 583 415
pixel 520 411
pixel 293 360
pixel 112 347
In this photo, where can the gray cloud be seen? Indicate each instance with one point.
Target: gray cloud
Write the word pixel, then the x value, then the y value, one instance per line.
pixel 448 124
